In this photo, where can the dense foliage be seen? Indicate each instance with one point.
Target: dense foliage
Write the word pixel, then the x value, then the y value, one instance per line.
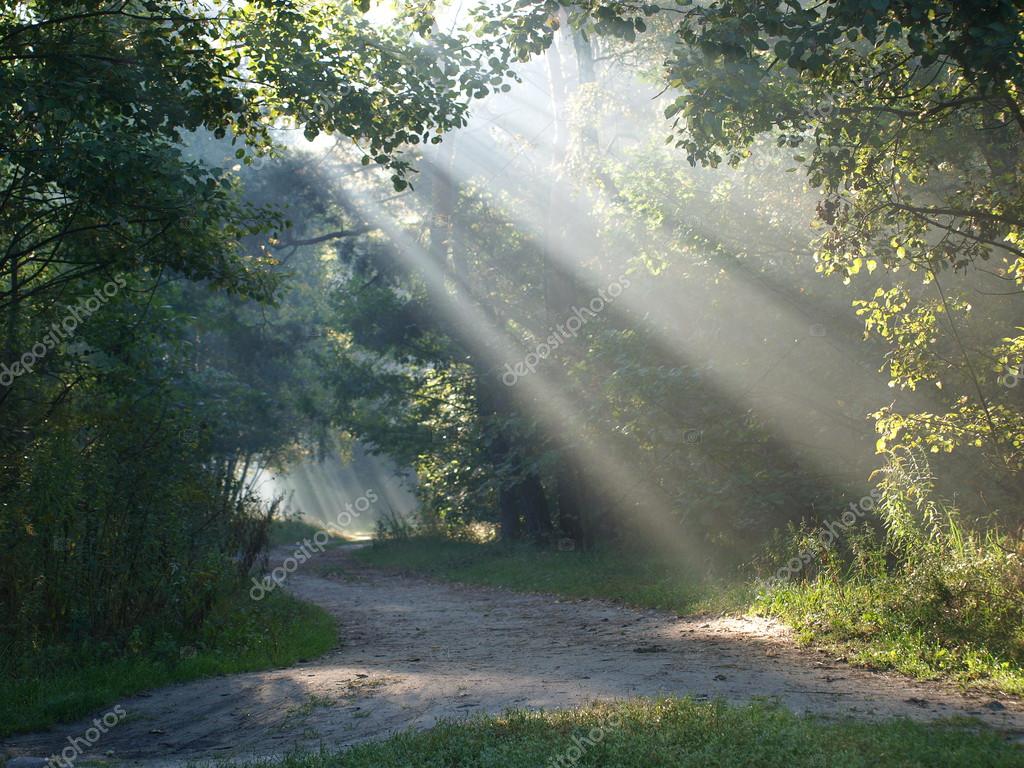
pixel 882 127
pixel 135 401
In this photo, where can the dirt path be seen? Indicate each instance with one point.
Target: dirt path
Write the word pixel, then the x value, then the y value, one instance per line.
pixel 415 651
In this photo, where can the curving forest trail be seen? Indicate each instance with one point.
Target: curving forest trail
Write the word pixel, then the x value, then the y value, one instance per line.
pixel 415 651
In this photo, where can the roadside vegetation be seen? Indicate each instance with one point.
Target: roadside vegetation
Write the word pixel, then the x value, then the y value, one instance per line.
pixel 674 733
pixel 942 619
pixel 42 687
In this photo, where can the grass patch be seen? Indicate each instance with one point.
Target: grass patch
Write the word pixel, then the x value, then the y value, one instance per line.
pixel 674 733
pixel 55 685
pixel 291 530
pixel 872 623
pixel 635 580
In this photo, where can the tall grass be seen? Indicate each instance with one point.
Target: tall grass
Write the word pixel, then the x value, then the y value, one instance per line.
pixel 929 597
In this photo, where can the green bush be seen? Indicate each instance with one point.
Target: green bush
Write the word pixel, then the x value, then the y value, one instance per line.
pixel 930 597
pixel 96 511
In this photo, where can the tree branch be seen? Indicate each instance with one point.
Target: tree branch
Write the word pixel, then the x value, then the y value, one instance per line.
pixel 337 234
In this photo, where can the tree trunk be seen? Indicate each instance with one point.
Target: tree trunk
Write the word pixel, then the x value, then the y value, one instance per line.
pixel 508 515
pixel 535 508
